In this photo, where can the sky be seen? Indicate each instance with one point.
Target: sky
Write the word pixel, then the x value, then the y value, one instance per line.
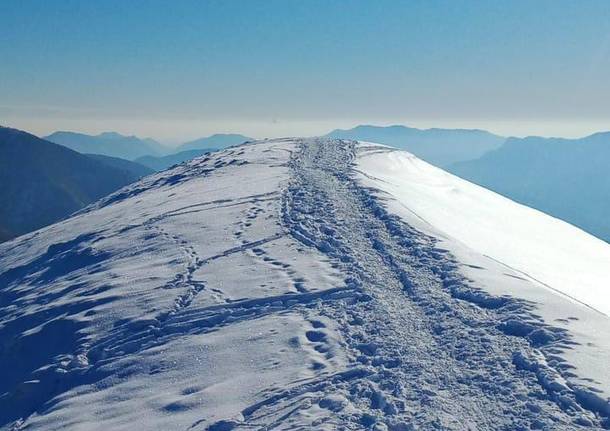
pixel 178 70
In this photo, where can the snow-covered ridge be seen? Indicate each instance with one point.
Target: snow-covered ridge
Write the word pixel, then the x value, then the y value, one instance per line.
pixel 506 249
pixel 540 247
pixel 274 285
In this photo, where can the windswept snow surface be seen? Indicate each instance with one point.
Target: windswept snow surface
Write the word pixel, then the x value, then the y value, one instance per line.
pixel 543 248
pixel 561 268
pixel 277 285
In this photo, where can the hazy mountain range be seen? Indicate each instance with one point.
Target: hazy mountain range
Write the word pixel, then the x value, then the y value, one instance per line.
pixel 109 144
pixel 567 178
pixel 43 182
pixel 441 147
pixel 147 152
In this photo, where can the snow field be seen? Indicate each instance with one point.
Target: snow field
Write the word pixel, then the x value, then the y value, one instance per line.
pixel 291 284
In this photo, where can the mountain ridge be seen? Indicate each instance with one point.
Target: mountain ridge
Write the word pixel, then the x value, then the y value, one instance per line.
pixel 137 169
pixel 564 177
pixel 306 283
pixel 108 144
pixel 43 182
pixel 441 147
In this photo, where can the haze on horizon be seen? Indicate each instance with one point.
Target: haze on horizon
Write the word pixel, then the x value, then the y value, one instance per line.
pixel 177 71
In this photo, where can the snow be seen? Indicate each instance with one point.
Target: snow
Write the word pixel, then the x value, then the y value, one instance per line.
pixel 507 249
pixel 167 295
pixel 264 287
pixel 540 247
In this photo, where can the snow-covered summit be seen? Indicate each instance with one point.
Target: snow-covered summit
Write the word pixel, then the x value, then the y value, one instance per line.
pixel 303 284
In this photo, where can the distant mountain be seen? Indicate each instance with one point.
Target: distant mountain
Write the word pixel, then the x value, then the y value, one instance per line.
pixel 164 162
pixel 109 144
pixel 441 147
pixel 567 178
pixel 218 141
pixel 43 182
pixel 135 168
pixel 5 235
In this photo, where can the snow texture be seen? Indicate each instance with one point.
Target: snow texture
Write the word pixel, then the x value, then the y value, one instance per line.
pixel 281 285
pixel 511 249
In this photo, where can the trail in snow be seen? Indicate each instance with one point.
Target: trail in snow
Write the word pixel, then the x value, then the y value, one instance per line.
pixel 429 351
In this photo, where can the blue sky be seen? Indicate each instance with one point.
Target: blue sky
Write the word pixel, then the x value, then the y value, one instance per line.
pixel 180 69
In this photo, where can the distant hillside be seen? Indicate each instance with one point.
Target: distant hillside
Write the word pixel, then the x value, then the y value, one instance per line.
pixel 109 144
pixel 218 141
pixel 43 182
pixel 441 147
pixel 164 162
pixel 5 235
pixel 135 168
pixel 567 178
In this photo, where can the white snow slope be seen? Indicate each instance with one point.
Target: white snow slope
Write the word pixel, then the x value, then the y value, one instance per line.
pixel 304 284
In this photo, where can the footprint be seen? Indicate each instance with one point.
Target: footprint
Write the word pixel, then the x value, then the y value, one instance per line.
pixel 317 324
pixel 315 336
